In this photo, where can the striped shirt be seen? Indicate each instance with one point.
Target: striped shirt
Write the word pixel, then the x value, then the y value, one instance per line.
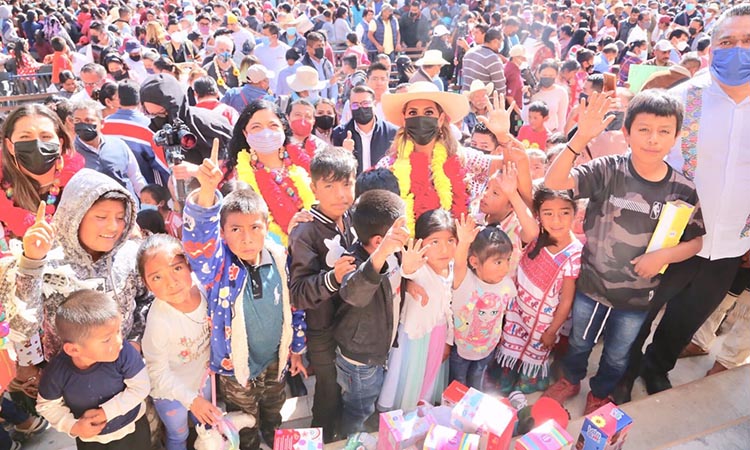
pixel 482 63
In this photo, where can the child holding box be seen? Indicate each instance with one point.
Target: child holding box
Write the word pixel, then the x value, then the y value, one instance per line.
pixel 626 194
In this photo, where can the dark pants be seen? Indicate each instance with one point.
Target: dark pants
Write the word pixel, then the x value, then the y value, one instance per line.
pixel 13 414
pixel 692 290
pixel 140 438
pixel 262 398
pixel 321 350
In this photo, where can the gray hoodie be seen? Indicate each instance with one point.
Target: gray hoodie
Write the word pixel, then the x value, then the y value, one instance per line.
pixel 69 267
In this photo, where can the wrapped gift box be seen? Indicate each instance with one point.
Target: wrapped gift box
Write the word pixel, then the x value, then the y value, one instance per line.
pixel 453 394
pixel 444 438
pixel 606 428
pixel 493 419
pixel 299 439
pixel 399 432
pixel 547 436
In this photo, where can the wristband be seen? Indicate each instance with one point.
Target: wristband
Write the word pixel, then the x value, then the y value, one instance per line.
pixel 572 151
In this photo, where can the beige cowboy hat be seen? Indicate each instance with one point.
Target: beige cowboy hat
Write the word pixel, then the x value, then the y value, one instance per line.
pixel 302 24
pixel 431 58
pixel 305 79
pixel 455 106
pixel 477 86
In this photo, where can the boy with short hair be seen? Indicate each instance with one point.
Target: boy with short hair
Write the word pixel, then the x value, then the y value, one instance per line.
pixel 535 132
pixel 626 195
pixel 537 163
pixel 94 390
pixel 318 265
pixel 253 329
pixel 366 322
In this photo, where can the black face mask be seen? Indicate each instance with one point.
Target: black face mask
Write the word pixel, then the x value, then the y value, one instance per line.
pixel 546 81
pixel 36 156
pixel 324 122
pixel 422 129
pixel 135 58
pixel 94 39
pixel 583 96
pixel 320 52
pixel 363 115
pixel 86 131
pixel 119 75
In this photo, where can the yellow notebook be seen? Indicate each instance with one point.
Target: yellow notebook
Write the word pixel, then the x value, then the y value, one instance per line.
pixel 673 219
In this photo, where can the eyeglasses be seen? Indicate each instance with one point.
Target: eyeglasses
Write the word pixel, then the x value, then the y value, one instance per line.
pixel 364 104
pixel 94 84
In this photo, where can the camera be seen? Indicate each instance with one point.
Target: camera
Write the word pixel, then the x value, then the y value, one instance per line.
pixel 176 139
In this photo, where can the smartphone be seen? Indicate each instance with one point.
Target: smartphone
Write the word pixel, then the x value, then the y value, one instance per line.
pixel 610 82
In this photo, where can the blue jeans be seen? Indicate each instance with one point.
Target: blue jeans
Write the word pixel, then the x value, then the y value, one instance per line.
pixel 619 333
pixel 360 387
pixel 466 372
pixel 175 418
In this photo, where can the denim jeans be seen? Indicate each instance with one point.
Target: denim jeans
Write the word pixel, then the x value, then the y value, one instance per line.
pixel 13 414
pixel 175 418
pixel 360 387
pixel 466 372
pixel 619 332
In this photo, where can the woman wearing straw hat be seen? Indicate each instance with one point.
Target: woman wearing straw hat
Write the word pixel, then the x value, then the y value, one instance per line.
pixel 425 140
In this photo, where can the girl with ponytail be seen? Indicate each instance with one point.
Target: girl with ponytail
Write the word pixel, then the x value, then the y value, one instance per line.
pixel 546 280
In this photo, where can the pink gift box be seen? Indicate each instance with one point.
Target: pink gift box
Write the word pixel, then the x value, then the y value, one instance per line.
pixel 604 429
pixel 547 436
pixel 444 438
pixel 299 439
pixel 399 432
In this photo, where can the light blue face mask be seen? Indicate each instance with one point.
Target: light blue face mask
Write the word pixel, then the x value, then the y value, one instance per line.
pixel 147 207
pixel 265 41
pixel 291 31
pixel 731 66
pixel 446 21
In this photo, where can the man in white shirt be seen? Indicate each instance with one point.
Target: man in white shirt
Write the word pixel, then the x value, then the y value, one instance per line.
pixel 241 36
pixel 713 153
pixel 272 53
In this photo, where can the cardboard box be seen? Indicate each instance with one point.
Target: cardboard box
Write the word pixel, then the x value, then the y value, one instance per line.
pixel 399 432
pixel 547 436
pixel 453 394
pixel 299 439
pixel 444 438
pixel 604 429
pixel 493 419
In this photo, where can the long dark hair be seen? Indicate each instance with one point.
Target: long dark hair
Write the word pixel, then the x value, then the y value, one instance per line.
pixel 25 188
pixel 629 48
pixel 238 141
pixel 579 38
pixel 544 194
pixel 546 33
pixel 434 221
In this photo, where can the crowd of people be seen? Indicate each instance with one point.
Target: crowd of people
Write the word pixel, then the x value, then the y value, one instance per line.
pixel 218 199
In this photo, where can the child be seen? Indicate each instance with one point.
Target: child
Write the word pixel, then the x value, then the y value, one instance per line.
pixel 537 163
pixel 92 225
pixel 157 198
pixel 318 265
pixel 546 286
pixel 415 367
pixel 94 390
pixel 175 343
pixel 60 59
pixel 626 194
pixel 480 296
pixel 246 283
pixel 535 132
pixel 365 326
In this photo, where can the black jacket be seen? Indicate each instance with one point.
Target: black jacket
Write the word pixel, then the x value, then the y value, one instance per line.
pixel 312 284
pixel 382 138
pixel 364 322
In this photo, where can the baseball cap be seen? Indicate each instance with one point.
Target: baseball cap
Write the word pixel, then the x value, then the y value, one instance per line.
pixel 232 19
pixel 663 46
pixel 257 73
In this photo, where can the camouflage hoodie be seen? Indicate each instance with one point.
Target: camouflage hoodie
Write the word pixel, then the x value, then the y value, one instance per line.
pixel 69 267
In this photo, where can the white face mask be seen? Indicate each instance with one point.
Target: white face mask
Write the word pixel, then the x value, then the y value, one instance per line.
pixel 644 55
pixel 265 141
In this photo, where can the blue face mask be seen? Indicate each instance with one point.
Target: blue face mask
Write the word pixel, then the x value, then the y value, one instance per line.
pixel 264 40
pixel 225 56
pixel 689 7
pixel 446 21
pixel 147 207
pixel 731 66
pixel 291 31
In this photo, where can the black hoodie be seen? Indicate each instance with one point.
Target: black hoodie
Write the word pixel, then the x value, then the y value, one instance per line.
pixel 166 91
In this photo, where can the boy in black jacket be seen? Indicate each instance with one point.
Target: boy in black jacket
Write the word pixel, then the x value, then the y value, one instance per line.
pixel 318 264
pixel 365 325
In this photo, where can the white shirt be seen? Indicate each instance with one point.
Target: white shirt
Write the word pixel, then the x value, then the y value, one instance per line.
pixel 722 175
pixel 273 59
pixel 366 139
pixel 557 101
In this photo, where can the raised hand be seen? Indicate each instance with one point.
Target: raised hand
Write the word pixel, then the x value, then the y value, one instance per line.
pixel 185 171
pixel 396 237
pixel 467 229
pixel 348 143
pixel 413 258
pixel 508 179
pixel 592 118
pixel 498 117
pixel 39 237
pixel 209 174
